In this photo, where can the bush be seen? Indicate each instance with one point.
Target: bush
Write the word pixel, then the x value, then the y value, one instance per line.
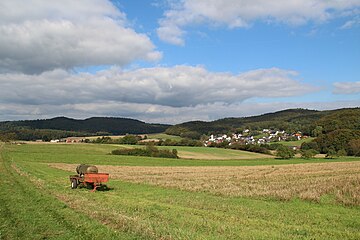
pixel 342 152
pixel 103 140
pixel 149 151
pixel 331 153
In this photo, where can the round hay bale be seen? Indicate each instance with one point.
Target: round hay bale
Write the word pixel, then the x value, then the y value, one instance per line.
pixel 84 168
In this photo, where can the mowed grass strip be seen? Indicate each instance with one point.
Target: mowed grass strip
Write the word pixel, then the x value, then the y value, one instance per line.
pixel 304 181
pixel 27 211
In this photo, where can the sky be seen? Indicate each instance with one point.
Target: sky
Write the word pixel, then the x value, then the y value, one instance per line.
pixel 167 61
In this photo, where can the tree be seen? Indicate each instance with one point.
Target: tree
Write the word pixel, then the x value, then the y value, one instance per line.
pixel 317 131
pixel 354 147
pixel 308 153
pixel 285 152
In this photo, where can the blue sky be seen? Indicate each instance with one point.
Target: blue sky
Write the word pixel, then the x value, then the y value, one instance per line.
pixel 173 61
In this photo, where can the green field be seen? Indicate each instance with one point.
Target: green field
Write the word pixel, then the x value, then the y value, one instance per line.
pixel 295 143
pixel 37 202
pixel 163 136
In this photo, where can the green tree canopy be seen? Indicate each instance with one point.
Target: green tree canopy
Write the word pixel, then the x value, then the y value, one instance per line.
pixel 285 152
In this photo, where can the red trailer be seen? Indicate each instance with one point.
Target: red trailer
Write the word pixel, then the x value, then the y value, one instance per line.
pixel 93 180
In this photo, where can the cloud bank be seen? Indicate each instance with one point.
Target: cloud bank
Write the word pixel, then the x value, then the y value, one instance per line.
pixel 158 94
pixel 179 86
pixel 38 36
pixel 243 13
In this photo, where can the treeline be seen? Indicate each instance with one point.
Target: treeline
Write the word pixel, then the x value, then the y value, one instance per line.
pixel 128 139
pixel 37 134
pixel 149 151
pixel 337 133
pixel 139 140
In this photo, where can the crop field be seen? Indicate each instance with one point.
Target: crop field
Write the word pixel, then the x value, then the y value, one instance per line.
pixel 200 197
pixel 215 153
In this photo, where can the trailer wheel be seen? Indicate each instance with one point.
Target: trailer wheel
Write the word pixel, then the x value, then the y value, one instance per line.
pixel 74 184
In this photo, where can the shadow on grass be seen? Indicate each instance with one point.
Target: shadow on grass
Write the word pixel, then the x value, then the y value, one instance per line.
pixel 101 188
pixel 104 188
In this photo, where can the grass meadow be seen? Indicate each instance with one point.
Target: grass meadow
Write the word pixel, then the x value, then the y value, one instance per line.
pixel 295 143
pixel 209 194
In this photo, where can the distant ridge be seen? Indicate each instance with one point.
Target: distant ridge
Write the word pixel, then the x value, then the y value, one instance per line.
pixel 110 125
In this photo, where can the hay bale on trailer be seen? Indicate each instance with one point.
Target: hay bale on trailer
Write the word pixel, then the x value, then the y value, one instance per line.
pixel 84 168
pixel 88 175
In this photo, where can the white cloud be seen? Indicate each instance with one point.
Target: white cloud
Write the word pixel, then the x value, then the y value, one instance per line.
pixel 243 13
pixel 347 87
pixel 351 23
pixel 38 35
pixel 179 86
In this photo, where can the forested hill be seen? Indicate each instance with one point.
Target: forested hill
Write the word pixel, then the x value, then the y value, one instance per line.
pixel 290 120
pixel 108 125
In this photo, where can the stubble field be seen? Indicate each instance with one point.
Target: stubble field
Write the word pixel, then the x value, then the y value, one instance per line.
pixel 283 182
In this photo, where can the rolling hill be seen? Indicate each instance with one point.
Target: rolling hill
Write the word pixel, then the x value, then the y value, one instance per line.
pixel 63 127
pixel 290 120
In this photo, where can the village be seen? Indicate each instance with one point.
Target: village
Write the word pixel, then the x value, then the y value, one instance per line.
pixel 255 137
pixel 246 137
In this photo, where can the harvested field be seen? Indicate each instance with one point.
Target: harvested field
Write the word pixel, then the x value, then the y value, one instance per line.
pixel 304 181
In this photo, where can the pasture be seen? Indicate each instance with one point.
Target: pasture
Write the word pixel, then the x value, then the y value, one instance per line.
pixel 234 197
